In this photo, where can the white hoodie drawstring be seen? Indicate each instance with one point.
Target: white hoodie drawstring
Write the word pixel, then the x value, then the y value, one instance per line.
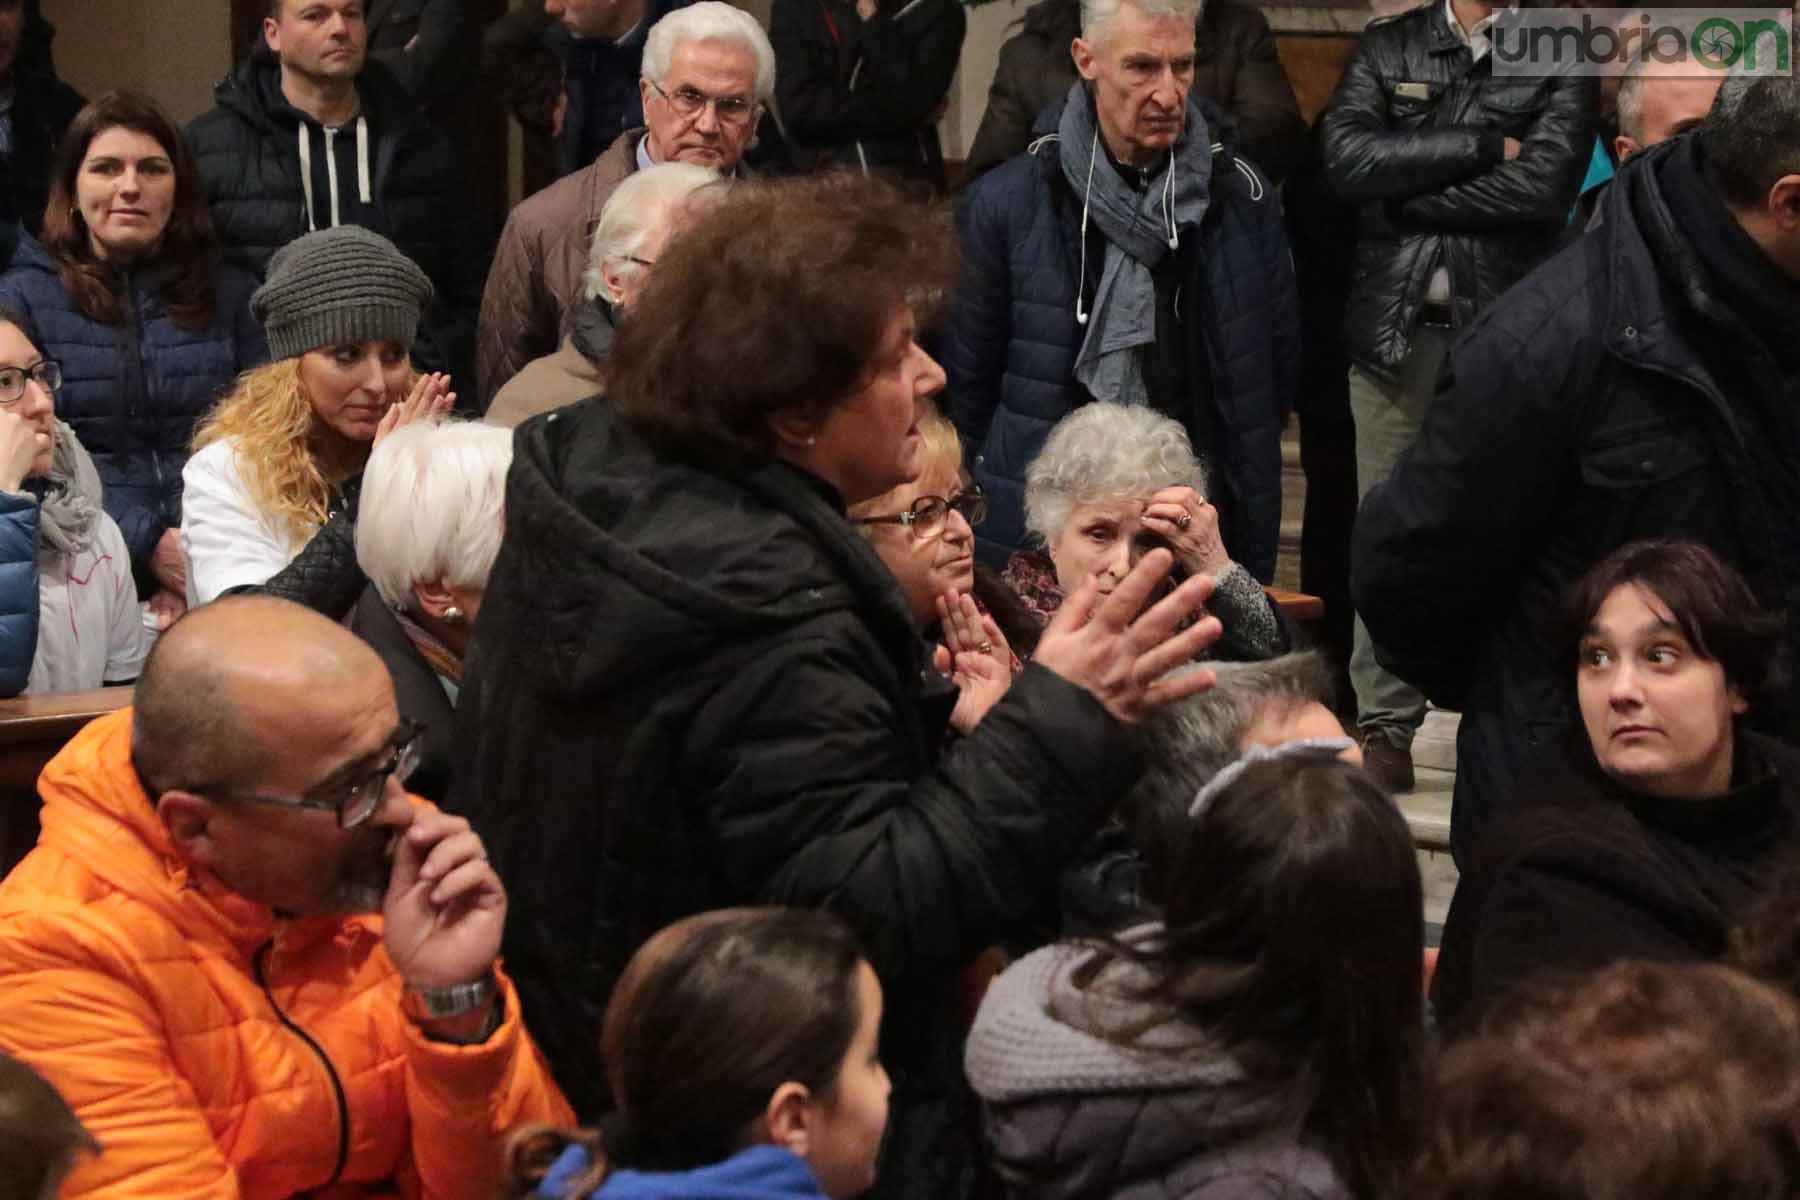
pixel 306 185
pixel 364 189
pixel 331 178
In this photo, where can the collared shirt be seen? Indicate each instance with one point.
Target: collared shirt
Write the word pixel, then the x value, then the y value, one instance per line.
pixel 644 161
pixel 1476 39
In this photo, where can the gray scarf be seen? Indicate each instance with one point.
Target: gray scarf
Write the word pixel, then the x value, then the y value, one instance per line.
pixel 1137 229
pixel 69 509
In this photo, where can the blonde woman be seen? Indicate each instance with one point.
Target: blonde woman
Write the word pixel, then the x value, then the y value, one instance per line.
pixel 270 491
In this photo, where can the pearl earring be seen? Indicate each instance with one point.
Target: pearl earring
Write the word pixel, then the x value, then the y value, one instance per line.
pixel 453 614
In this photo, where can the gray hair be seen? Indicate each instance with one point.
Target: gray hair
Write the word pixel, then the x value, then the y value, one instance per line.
pixel 1630 101
pixel 638 207
pixel 1097 14
pixel 1187 743
pixel 709 21
pixel 432 507
pixel 1104 450
pixel 1752 136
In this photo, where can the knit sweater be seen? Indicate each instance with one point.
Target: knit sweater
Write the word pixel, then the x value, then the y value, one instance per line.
pixel 1071 1113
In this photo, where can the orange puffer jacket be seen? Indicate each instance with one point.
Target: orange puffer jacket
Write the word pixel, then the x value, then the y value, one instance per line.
pixel 216 1050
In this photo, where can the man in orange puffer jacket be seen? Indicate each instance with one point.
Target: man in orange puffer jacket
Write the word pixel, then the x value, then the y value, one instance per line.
pixel 191 954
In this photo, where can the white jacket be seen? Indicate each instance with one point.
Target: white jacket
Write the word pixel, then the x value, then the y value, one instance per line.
pixel 229 540
pixel 91 628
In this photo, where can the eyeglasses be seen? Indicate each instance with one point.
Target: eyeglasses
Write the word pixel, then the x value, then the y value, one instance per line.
pixel 356 800
pixel 926 517
pixel 689 102
pixel 47 373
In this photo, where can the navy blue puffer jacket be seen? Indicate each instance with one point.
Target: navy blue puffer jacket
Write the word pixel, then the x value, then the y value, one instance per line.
pixel 1010 347
pixel 18 590
pixel 133 392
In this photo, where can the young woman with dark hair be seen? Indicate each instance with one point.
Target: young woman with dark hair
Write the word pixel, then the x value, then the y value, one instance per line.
pixel 127 292
pixel 740 1050
pixel 1268 1033
pixel 1656 828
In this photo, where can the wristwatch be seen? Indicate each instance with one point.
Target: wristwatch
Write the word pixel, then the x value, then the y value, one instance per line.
pixel 437 1003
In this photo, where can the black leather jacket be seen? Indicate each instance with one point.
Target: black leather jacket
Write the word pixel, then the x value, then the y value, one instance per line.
pixel 1416 135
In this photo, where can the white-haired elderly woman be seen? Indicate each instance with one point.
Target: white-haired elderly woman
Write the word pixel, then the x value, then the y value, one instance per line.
pixel 643 213
pixel 428 528
pixel 1113 481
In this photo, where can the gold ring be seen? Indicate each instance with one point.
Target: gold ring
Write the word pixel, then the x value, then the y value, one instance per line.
pixel 1183 521
pixel 985 648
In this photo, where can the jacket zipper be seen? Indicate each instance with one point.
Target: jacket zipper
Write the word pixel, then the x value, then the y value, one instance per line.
pixel 337 1085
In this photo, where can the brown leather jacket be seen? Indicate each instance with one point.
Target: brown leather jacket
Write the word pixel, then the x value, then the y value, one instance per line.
pixel 536 277
pixel 1235 67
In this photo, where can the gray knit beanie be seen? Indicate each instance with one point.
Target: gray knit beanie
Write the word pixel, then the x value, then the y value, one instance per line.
pixel 339 286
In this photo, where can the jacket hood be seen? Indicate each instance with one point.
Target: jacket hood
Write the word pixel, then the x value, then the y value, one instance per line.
pixel 759 1173
pixel 1054 20
pixel 97 813
pixel 591 330
pixel 1073 1114
pixel 604 535
pixel 1035 1036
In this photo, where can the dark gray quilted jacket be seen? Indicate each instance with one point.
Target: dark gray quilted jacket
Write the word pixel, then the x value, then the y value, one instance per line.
pixel 1070 1114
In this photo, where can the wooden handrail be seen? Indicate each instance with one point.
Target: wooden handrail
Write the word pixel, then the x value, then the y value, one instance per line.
pixel 35 718
pixel 1297 606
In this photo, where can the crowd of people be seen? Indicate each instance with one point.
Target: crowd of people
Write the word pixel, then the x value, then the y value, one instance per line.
pixel 760 677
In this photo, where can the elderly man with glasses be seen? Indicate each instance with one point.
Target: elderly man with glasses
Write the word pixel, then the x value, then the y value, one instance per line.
pixel 709 72
pixel 247 959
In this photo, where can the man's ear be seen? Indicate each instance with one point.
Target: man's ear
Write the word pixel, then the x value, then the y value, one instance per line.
pixel 1624 146
pixel 1087 62
pixel 271 32
pixel 188 818
pixel 1784 203
pixel 788 1121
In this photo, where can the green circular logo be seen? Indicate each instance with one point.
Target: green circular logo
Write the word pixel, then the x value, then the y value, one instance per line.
pixel 1718 44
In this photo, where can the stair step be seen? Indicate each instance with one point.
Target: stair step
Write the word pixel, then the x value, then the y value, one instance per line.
pixel 1434 746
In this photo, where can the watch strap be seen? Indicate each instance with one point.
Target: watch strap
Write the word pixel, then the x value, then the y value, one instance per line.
pixel 436 1003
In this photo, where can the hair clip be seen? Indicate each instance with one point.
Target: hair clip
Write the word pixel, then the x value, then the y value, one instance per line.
pixel 1256 754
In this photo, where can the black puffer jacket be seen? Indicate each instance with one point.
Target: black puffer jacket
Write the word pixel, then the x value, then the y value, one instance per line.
pixel 1431 175
pixel 864 94
pixel 247 148
pixel 690 690
pixel 1234 67
pixel 1073 1115
pixel 1606 398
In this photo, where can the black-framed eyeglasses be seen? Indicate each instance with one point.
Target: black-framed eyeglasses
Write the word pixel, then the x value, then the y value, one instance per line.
pixel 46 373
pixel 926 517
pixel 354 800
pixel 689 102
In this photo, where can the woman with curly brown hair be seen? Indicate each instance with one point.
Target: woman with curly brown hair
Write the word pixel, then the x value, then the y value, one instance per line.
pixel 271 488
pixel 695 685
pixel 127 294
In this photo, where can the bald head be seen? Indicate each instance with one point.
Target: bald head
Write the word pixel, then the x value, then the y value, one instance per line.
pixel 232 680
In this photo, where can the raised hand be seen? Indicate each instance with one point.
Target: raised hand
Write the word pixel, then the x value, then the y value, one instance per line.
pixel 975 656
pixel 1183 519
pixel 20 445
pixel 429 399
pixel 445 906
pixel 1122 657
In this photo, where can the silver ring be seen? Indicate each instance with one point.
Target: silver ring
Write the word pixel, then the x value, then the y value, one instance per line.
pixel 1183 521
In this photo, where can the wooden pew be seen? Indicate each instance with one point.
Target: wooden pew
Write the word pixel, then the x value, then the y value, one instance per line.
pixel 32 730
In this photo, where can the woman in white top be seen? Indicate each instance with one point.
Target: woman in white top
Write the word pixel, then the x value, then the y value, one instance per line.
pixel 69 613
pixel 270 492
